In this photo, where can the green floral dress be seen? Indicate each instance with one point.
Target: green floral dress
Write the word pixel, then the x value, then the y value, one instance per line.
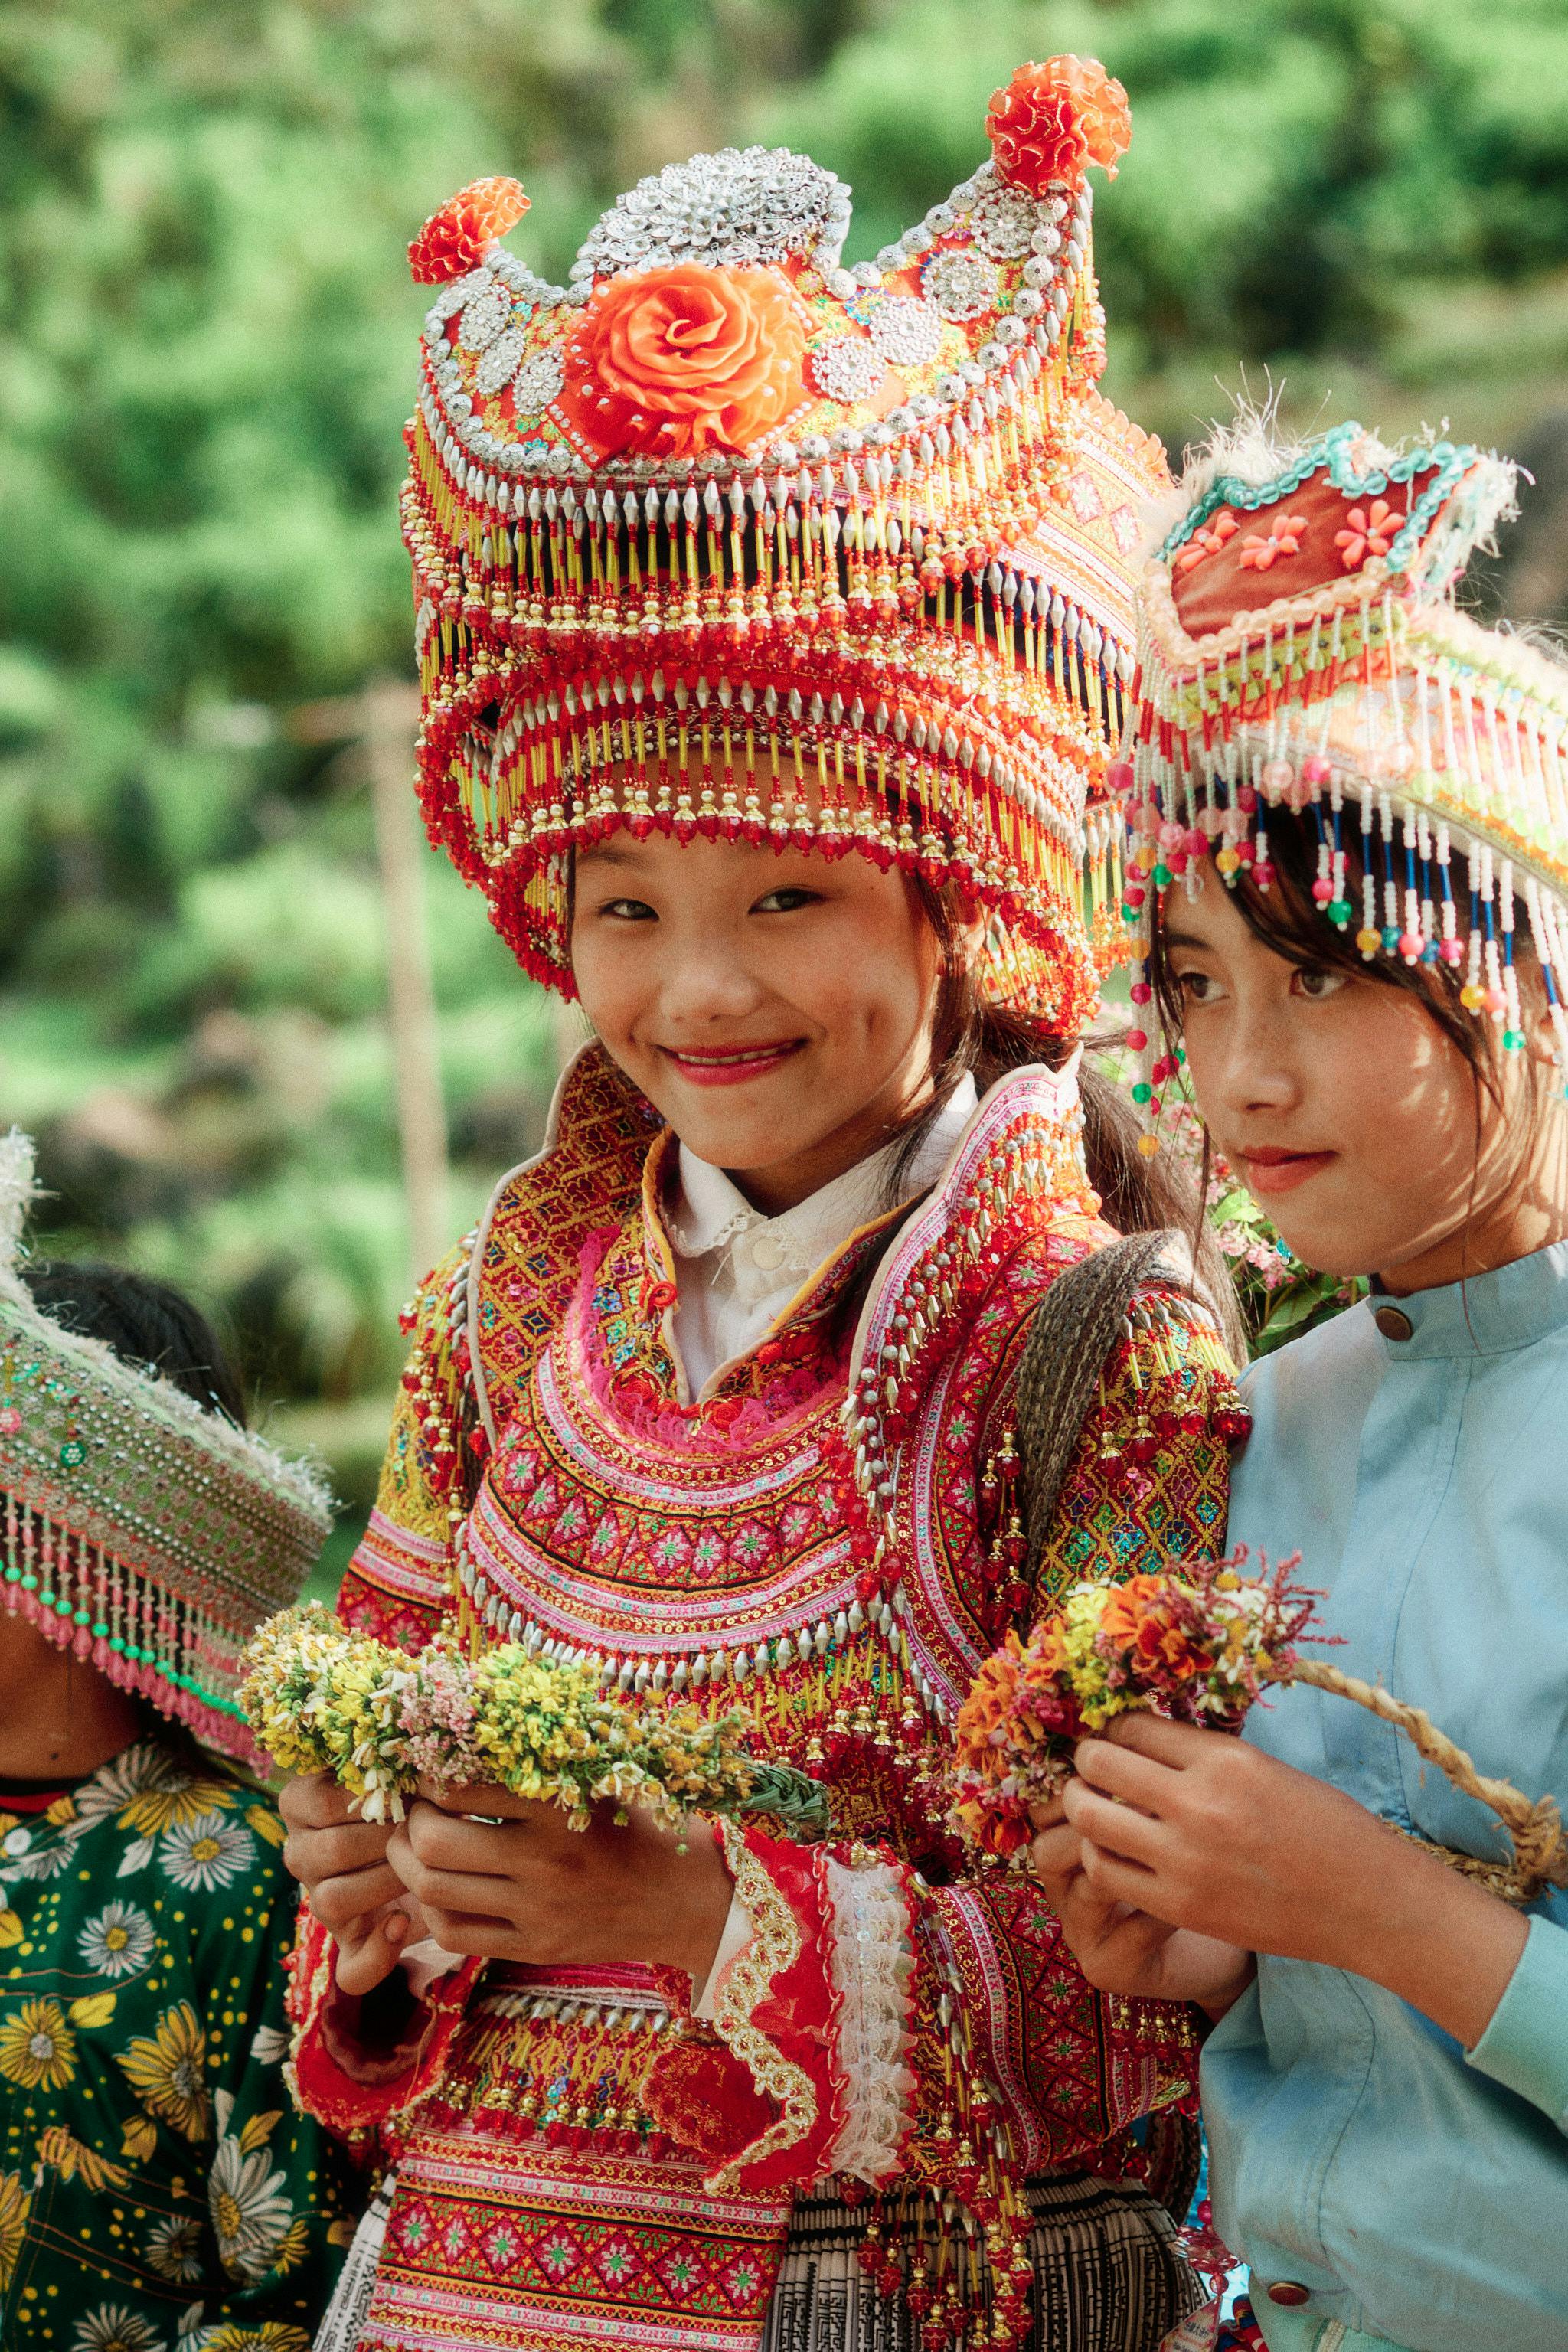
pixel 158 2191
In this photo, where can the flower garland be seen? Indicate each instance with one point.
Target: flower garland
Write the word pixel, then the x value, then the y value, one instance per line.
pixel 1198 1647
pixel 322 1699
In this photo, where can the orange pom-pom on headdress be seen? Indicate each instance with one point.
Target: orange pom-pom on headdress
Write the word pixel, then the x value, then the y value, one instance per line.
pixel 457 238
pixel 1053 120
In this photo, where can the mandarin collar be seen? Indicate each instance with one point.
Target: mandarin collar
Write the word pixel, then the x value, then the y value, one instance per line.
pixel 1491 1313
pixel 712 1212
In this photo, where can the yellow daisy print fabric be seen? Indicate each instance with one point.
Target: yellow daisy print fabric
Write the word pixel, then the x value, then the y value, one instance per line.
pixel 158 2191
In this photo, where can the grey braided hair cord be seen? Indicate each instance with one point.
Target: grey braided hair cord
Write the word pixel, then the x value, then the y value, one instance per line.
pixel 1075 1328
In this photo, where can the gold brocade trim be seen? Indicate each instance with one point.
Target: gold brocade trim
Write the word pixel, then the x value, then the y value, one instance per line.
pixel 774 1947
pixel 304 2019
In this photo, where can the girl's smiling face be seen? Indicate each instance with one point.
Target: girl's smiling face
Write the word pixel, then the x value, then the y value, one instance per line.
pixel 1358 1124
pixel 775 1009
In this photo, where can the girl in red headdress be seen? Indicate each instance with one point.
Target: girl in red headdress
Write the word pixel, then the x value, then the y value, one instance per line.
pixel 773 619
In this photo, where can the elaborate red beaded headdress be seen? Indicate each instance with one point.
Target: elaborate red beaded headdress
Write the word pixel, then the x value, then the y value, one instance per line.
pixel 1301 647
pixel 724 538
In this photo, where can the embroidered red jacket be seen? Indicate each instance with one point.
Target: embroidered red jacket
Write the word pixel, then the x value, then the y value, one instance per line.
pixel 569 2143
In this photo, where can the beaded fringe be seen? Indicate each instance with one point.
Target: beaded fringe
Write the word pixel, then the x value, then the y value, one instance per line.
pixel 569 2068
pixel 160 1644
pixel 1107 2275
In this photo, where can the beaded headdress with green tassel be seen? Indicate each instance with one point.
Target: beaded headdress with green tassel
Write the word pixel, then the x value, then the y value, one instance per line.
pixel 147 1535
pixel 1302 649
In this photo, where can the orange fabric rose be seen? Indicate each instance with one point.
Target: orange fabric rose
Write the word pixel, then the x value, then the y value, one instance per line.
pixel 1052 120
pixel 457 238
pixel 679 361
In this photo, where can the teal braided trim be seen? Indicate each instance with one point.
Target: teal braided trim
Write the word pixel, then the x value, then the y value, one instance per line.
pixel 1330 453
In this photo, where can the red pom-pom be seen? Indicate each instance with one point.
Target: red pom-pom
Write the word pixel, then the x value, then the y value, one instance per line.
pixel 457 238
pixel 1053 120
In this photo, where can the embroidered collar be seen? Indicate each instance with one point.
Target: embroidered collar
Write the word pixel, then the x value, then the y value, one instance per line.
pixel 590 1198
pixel 634 1300
pixel 1023 1137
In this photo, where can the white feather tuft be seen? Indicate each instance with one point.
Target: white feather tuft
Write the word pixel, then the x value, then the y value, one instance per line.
pixel 18 1192
pixel 1251 449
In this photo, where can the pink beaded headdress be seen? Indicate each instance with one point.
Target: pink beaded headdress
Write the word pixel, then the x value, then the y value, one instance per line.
pixel 724 538
pixel 146 1534
pixel 1301 648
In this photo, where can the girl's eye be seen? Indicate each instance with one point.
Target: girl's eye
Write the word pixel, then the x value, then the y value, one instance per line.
pixel 1198 987
pixel 1315 982
pixel 784 902
pixel 628 910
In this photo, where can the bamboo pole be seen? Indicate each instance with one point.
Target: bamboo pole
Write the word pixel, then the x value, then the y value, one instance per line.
pixel 387 737
pixel 382 719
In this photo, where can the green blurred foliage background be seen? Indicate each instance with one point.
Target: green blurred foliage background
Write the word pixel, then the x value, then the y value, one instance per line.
pixel 206 351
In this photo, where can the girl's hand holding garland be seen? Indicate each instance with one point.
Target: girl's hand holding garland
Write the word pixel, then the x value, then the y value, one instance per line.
pixel 521 1883
pixel 1199 1646
pixel 529 1887
pixel 1172 1853
pixel 1121 1948
pixel 341 1860
pixel 385 1724
pixel 587 1848
pixel 1193 1845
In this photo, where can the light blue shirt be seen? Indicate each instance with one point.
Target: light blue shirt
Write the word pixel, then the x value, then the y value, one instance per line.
pixel 1421 2194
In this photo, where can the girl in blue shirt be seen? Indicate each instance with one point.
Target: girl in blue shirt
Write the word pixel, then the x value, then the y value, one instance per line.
pixel 1335 770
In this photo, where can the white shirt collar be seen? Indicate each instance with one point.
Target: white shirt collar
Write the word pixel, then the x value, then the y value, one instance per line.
pixel 712 1214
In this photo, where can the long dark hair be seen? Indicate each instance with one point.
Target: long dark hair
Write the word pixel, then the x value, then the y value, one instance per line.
pixel 143 1321
pixel 1137 1193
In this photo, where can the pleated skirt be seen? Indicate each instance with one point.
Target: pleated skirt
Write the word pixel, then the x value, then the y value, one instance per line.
pixel 1109 2276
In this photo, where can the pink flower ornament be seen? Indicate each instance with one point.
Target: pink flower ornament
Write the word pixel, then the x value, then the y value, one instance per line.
pixel 1368 531
pixel 1205 543
pixel 1286 533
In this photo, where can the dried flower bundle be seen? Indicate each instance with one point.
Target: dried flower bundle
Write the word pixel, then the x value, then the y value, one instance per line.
pixel 1197 1647
pixel 322 1699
